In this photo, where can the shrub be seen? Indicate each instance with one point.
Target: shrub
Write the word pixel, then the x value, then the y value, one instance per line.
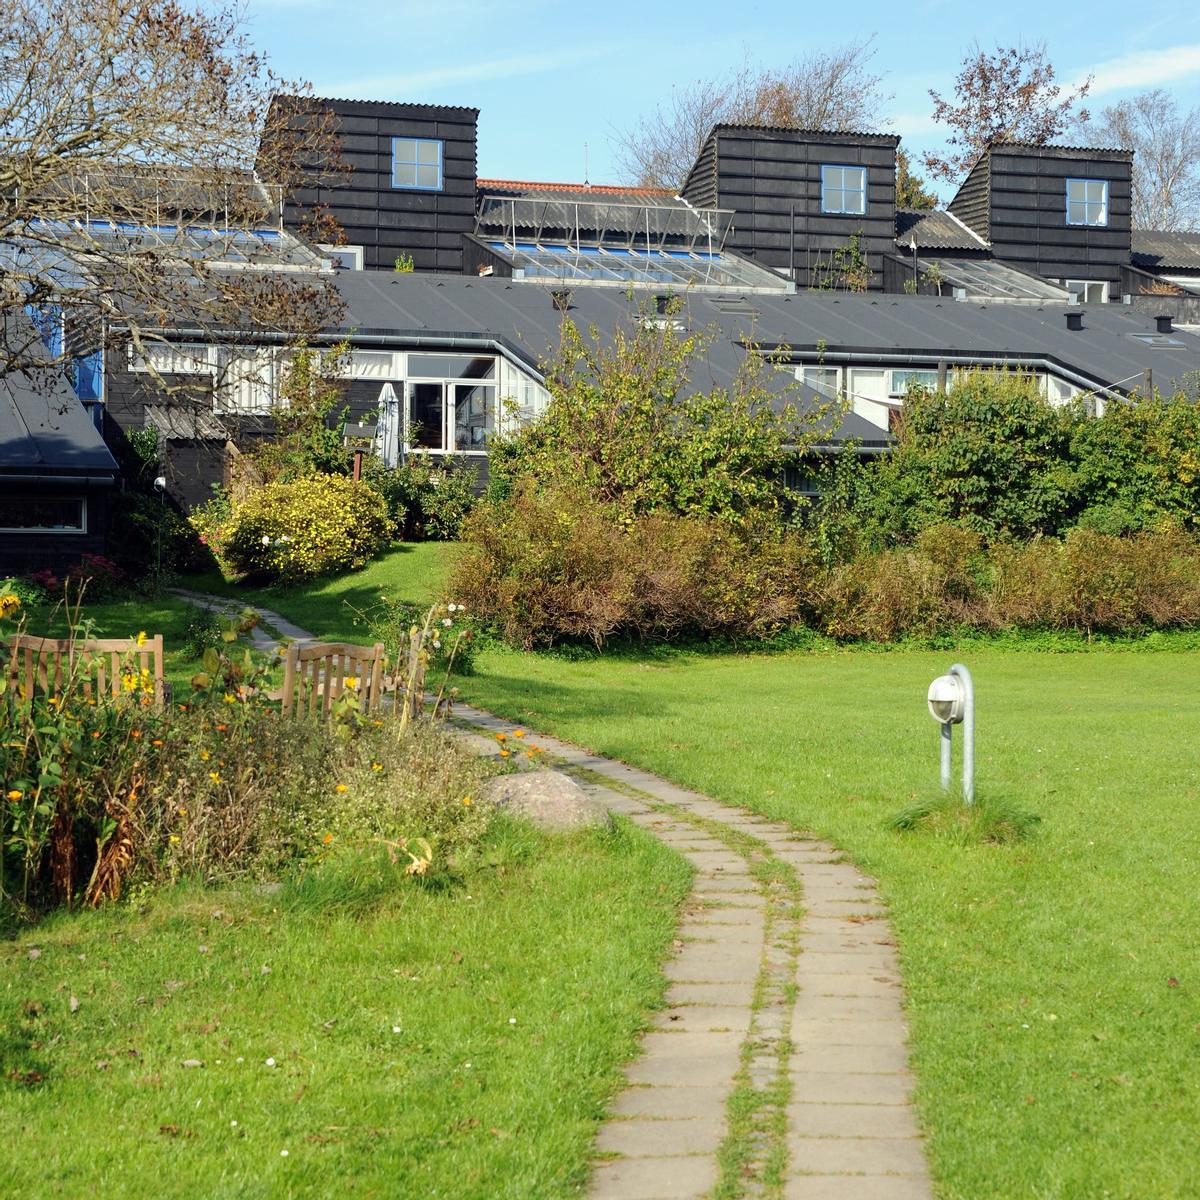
pixel 26 591
pixel 302 528
pixel 101 576
pixel 427 500
pixel 552 566
pixel 145 533
pixel 203 632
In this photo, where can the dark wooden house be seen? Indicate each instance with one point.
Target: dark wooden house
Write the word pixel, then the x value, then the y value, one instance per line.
pixel 1056 211
pixel 410 192
pixel 801 199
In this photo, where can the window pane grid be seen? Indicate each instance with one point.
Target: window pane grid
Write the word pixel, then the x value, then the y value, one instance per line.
pixel 417 164
pixel 1087 202
pixel 844 190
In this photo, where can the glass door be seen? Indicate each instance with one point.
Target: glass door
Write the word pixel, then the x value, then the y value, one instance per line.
pixel 427 416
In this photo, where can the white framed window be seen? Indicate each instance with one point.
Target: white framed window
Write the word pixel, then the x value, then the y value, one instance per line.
pixel 417 164
pixel 905 378
pixel 1087 201
pixel 345 258
pixel 451 403
pixel 374 364
pixel 1087 291
pixel 843 189
pixel 867 391
pixel 43 514
pixel 191 358
pixel 247 384
pixel 826 381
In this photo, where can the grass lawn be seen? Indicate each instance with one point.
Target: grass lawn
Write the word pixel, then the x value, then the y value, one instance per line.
pixel 412 571
pixel 1053 985
pixel 163 614
pixel 457 1042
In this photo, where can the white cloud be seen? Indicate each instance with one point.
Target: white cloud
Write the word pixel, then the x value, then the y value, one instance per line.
pixel 414 83
pixel 1143 68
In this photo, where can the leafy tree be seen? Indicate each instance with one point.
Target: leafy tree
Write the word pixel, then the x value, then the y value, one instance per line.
pixel 1007 95
pixel 835 89
pixel 1166 157
pixel 626 422
pixel 133 132
pixel 911 189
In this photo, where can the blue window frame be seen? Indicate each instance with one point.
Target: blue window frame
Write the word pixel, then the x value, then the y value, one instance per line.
pixel 1087 201
pixel 48 321
pixel 89 376
pixel 843 189
pixel 417 164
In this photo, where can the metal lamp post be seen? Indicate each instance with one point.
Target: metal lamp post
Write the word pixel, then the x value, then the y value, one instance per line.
pixel 951 702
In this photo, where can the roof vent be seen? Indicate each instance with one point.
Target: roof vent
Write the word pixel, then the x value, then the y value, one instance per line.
pixel 561 298
pixel 1075 320
pixel 664 304
pixel 1163 322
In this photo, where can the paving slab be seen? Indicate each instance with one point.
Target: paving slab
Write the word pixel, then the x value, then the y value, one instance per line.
pixel 644 1137
pixel 857 1156
pixel 654 1178
pixel 853 1120
pixel 856 1187
pixel 703 1103
pixel 840 1087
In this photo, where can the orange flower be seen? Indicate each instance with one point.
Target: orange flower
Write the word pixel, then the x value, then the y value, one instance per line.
pixel 137 733
pixel 328 838
pixel 502 737
pixel 222 728
pixel 157 742
pixel 95 733
pixel 505 753
pixel 518 733
pixel 15 795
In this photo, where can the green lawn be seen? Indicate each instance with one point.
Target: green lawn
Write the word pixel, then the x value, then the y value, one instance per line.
pixel 1053 985
pixel 457 1042
pixel 408 571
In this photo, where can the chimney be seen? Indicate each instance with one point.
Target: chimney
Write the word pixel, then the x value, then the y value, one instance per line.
pixel 1074 321
pixel 1163 322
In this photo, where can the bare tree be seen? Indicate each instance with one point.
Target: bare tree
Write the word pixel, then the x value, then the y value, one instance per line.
pixel 833 89
pixel 1166 157
pixel 130 136
pixel 1009 95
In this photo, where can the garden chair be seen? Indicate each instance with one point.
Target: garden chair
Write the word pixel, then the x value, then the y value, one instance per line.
pixel 318 673
pixel 102 668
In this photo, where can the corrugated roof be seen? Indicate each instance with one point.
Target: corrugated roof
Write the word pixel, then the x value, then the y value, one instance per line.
pixel 184 422
pixel 1054 148
pixel 1161 249
pixel 281 97
pixel 819 133
pixel 935 229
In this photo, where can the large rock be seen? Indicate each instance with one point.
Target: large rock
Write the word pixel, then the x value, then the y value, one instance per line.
pixel 550 799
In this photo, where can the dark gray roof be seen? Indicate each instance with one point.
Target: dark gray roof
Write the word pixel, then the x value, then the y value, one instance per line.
pixel 1161 250
pixel 570 192
pixel 1110 350
pixel 45 430
pixel 934 229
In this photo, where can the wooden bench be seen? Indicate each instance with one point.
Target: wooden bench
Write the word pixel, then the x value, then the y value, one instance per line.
pixel 316 674
pixel 99 668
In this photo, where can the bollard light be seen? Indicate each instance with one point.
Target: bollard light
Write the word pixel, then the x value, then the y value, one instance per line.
pixel 951 701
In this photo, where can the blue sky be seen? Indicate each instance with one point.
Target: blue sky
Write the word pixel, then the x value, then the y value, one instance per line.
pixel 550 75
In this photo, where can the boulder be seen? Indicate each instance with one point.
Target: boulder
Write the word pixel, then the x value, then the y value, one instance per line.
pixel 550 799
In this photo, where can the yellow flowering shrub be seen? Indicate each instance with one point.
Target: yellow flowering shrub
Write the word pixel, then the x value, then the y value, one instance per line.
pixel 302 528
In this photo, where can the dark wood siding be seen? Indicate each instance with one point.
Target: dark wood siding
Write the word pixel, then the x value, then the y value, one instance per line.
pixel 700 188
pixel 771 179
pixel 388 222
pixel 1026 221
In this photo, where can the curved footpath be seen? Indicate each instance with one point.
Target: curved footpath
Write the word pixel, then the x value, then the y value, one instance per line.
pixel 778 1067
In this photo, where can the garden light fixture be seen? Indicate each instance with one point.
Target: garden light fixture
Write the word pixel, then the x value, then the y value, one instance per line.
pixel 951 702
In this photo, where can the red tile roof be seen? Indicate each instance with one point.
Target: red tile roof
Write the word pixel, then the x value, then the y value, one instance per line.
pixel 573 187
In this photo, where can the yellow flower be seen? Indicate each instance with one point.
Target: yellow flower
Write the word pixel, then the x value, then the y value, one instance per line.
pixel 204 756
pixel 9 604
pixel 141 637
pixel 466 799
pixel 518 733
pixel 15 795
pixel 351 681
pixel 174 838
pixel 341 787
pixel 505 753
pixel 215 776
pixel 229 698
pixel 375 766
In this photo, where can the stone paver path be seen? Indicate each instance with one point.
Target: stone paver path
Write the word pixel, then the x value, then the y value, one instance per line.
pixel 259 637
pixel 779 1066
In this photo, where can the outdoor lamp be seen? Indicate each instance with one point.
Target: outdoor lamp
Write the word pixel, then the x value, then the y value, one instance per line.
pixel 160 483
pixel 951 701
pixel 946 700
